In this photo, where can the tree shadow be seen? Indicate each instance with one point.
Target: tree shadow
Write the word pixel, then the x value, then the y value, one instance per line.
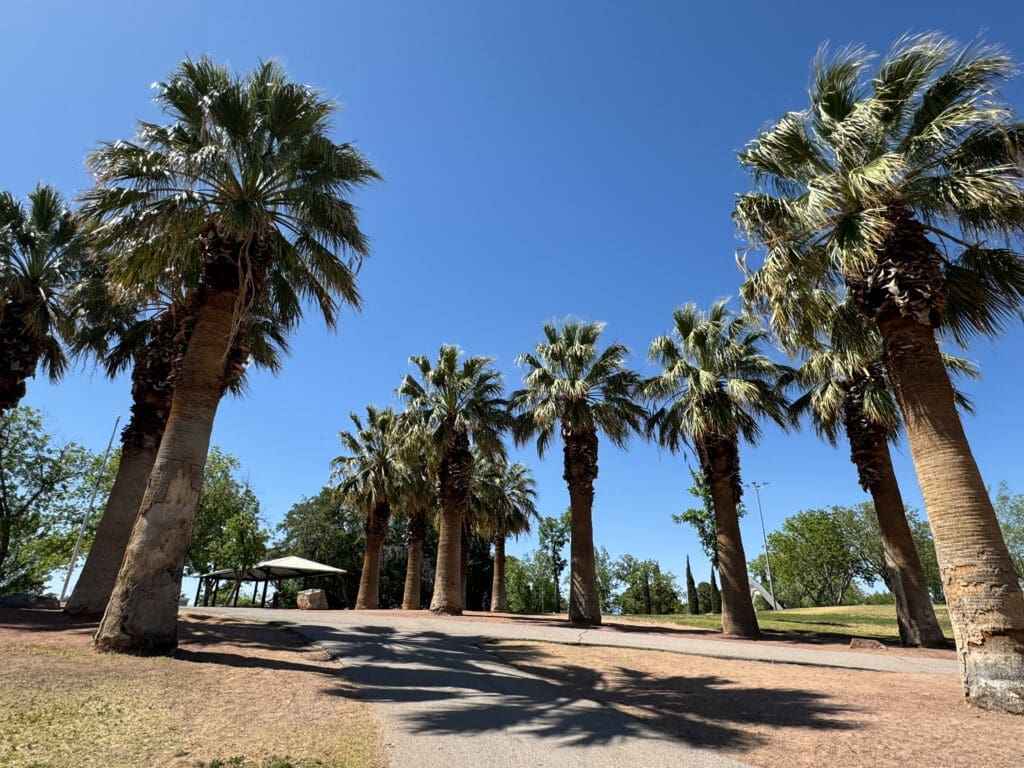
pixel 471 692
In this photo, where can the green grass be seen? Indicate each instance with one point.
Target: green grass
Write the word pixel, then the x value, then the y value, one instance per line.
pixel 877 622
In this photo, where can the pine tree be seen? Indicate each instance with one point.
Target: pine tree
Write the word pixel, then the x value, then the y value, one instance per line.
pixel 691 590
pixel 716 596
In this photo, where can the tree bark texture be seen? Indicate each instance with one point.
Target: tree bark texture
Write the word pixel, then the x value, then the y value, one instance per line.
pixel 141 616
pixel 19 354
pixel 869 452
pixel 368 597
pixel 464 561
pixel 455 473
pixel 720 462
pixel 984 597
pixel 416 530
pixel 580 452
pixel 499 602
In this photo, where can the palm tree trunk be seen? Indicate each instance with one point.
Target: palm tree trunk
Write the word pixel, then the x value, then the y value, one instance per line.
pixel 96 582
pixel 915 615
pixel 499 602
pixel 455 473
pixel 464 561
pixel 580 452
pixel 985 602
pixel 19 354
pixel 738 617
pixel 415 533
pixel 368 597
pixel 141 616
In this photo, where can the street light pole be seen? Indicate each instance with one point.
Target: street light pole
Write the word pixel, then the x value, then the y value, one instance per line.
pixel 764 537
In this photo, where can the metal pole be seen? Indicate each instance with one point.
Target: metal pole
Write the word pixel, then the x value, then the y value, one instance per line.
pixel 88 512
pixel 767 558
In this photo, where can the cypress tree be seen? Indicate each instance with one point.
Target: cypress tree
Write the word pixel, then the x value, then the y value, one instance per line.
pixel 716 596
pixel 691 590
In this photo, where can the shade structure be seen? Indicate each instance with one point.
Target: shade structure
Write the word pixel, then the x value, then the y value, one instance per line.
pixel 266 571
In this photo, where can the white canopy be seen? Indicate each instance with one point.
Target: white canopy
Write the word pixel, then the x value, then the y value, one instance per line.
pixel 280 568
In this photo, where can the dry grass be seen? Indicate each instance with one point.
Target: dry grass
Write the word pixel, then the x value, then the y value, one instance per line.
pixel 781 715
pixel 234 694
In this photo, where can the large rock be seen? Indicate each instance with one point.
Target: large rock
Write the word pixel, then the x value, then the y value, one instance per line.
pixel 312 600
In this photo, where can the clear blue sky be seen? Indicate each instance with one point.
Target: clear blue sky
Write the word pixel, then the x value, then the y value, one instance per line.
pixel 541 159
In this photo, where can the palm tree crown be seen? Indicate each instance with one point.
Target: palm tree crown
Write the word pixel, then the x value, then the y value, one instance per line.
pixel 568 381
pixel 42 257
pixel 874 169
pixel 243 189
pixel 373 469
pixel 715 383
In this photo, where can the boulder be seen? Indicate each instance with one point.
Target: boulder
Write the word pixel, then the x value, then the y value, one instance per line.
pixel 863 642
pixel 311 600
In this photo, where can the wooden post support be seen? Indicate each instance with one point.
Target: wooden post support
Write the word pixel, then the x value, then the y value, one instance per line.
pixel 199 588
pixel 255 589
pixel 263 600
pixel 238 588
pixel 216 590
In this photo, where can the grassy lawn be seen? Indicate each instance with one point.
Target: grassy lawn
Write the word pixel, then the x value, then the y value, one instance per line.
pixel 234 695
pixel 871 621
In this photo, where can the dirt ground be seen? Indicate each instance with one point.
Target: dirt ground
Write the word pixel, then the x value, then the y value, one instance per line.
pixel 232 689
pixel 783 715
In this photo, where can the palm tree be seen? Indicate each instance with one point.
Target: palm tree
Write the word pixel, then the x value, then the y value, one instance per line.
pixel 458 403
pixel 372 476
pixel 572 385
pixel 419 497
pixel 507 496
pixel 112 330
pixel 905 192
pixel 716 385
pixel 42 257
pixel 847 391
pixel 243 195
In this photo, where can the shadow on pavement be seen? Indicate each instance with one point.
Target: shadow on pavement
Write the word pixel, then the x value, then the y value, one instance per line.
pixel 473 693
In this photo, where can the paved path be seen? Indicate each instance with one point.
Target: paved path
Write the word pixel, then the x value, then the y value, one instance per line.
pixel 446 703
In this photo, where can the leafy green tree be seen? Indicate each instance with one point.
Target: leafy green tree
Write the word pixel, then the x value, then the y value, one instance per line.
pixel 44 490
pixel 816 558
pixel 528 583
pixel 704 601
pixel 606 581
pixel 715 387
pixel 692 602
pixel 458 403
pixel 647 590
pixel 243 195
pixel 702 519
pixel 554 534
pixel 716 595
pixel 1010 513
pixel 42 257
pixel 581 391
pixel 901 187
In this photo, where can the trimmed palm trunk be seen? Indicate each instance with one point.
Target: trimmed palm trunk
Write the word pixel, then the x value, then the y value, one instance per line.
pixel 464 561
pixel 153 373
pixel 416 531
pixel 720 462
pixel 580 452
pixel 369 579
pixel 141 616
pixel 499 601
pixel 455 474
pixel 19 355
pixel 869 451
pixel 905 296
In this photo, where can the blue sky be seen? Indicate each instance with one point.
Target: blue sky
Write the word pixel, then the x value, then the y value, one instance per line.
pixel 540 160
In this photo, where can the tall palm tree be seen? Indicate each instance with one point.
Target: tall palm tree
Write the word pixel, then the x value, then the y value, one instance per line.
pixel 42 258
pixel 846 390
pixel 573 386
pixel 507 496
pixel 716 385
pixel 243 194
pixel 419 497
pixel 113 330
pixel 903 188
pixel 459 403
pixel 372 476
